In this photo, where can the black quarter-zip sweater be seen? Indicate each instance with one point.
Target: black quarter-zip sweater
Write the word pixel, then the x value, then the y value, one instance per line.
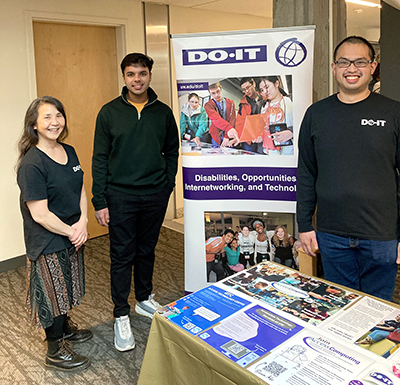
pixel 134 153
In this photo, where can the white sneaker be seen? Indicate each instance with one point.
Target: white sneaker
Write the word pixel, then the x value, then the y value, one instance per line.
pixel 123 336
pixel 148 307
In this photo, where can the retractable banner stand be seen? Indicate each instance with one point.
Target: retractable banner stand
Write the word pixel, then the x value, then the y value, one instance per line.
pixel 242 96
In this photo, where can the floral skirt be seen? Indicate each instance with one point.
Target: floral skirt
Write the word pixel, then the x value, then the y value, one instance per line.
pixel 55 284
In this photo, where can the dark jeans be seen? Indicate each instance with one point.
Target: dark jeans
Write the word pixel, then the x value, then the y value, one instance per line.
pixel 263 257
pixel 217 269
pixel 286 262
pixel 243 260
pixel 135 222
pixel 361 264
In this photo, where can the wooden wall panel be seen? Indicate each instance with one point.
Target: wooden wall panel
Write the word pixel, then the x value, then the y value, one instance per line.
pixel 77 64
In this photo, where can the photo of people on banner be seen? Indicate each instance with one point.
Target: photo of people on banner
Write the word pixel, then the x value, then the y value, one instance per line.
pixel 249 115
pixel 246 239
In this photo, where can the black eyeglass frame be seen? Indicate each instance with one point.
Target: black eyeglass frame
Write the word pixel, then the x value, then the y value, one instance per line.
pixel 353 62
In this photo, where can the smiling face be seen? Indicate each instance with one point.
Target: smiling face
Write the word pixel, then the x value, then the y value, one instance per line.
pixel 352 81
pixel 50 123
pixel 193 102
pixel 245 231
pixel 228 237
pixel 280 233
pixel 137 79
pixel 234 244
pixel 259 228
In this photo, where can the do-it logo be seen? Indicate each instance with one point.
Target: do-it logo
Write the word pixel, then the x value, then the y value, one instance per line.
pixel 255 53
pixel 370 122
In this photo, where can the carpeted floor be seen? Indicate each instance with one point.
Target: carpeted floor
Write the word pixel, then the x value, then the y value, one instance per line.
pixel 22 347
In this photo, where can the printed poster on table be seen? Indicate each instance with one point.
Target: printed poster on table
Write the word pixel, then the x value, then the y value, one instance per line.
pixel 249 335
pixel 310 358
pixel 203 309
pixel 307 298
pixel 242 96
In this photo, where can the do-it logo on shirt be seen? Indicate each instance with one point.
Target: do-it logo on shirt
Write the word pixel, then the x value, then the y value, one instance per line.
pixel 229 55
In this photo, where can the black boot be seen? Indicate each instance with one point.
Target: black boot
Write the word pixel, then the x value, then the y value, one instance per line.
pixel 73 334
pixel 61 356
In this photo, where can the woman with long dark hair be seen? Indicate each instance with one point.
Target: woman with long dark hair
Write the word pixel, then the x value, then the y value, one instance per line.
pixel 54 209
pixel 277 109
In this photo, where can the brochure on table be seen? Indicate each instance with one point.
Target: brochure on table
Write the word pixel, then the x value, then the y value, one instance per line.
pixel 289 328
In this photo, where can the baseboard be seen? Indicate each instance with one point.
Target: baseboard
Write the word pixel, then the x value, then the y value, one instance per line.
pixel 172 225
pixel 13 263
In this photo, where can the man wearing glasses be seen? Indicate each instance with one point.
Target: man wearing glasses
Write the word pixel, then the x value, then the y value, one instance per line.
pixel 349 157
pixel 248 106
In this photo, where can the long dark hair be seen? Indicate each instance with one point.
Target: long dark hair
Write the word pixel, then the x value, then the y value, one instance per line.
pixel 273 80
pixel 29 137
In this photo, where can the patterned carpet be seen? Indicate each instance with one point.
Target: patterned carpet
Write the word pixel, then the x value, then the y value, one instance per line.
pixel 22 347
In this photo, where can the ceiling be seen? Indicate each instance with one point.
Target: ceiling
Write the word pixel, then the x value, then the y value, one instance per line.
pixel 361 20
pixel 262 8
pixel 364 21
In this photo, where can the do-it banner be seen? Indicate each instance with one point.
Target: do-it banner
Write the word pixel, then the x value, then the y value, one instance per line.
pixel 242 96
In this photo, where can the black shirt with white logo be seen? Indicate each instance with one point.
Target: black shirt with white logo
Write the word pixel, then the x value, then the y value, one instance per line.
pixel 349 157
pixel 40 177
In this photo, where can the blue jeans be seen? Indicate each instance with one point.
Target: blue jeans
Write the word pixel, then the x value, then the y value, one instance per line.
pixel 286 262
pixel 361 264
pixel 378 335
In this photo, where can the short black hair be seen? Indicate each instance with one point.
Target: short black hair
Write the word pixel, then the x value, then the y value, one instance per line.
pixel 245 80
pixel 137 58
pixel 229 231
pixel 356 40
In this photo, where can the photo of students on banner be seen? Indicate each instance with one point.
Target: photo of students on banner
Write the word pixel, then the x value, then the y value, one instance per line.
pixel 237 116
pixel 251 241
pixel 194 121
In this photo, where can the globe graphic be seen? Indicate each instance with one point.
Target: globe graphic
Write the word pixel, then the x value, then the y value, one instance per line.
pixel 291 53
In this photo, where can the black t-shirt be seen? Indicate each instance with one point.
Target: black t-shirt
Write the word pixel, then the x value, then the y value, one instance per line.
pixel 40 177
pixel 349 157
pixel 282 252
pixel 392 323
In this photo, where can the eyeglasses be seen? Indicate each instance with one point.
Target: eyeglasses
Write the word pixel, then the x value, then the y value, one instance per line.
pixel 246 89
pixel 359 63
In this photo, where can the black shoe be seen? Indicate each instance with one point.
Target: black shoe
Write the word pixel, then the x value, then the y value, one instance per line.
pixel 73 334
pixel 61 356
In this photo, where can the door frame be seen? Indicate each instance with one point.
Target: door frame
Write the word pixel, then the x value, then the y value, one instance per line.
pixel 121 27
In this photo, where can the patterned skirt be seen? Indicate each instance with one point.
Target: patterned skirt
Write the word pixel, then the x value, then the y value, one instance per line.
pixel 55 284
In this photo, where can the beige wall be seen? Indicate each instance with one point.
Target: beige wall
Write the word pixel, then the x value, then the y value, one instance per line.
pixel 189 20
pixel 17 75
pixel 18 87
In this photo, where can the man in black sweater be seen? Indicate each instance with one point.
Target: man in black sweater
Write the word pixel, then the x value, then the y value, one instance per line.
pixel 134 165
pixel 349 157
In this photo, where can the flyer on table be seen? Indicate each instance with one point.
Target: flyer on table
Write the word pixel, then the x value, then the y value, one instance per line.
pixel 250 334
pixel 203 309
pixel 310 358
pixel 242 96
